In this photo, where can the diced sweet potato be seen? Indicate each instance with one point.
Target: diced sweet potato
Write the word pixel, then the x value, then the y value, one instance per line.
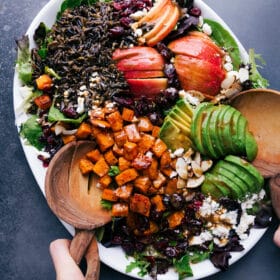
pixel 126 176
pixel 152 171
pixel 153 228
pixel 171 186
pixel 141 204
pixel 159 147
pixel 68 138
pixel 123 164
pixel 100 123
pixel 142 184
pixel 115 120
pixel 94 155
pixel 101 167
pixel 86 166
pixel 117 150
pixel 127 114
pixel 84 131
pixel 124 192
pixel 105 181
pixel 175 219
pixel 159 181
pixel 167 171
pixel 120 137
pixel 144 124
pixel 96 131
pixel 120 210
pixel 110 158
pixel 97 113
pixel 109 194
pixel 141 162
pixel 158 203
pixel 146 143
pixel 165 159
pixel 104 141
pixel 130 150
pixel 132 133
pixel 155 131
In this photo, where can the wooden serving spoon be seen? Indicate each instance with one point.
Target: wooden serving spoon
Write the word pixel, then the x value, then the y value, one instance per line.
pixel 75 199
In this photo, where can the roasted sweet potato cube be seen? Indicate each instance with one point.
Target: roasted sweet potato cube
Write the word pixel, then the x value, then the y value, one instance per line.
pixel 124 192
pixel 84 131
pixel 132 133
pixel 126 176
pixel 142 184
pixel 175 219
pixel 96 131
pixel 109 194
pixel 152 171
pixel 165 159
pixel 110 158
pixel 104 141
pixel 127 114
pixel 153 228
pixel 120 137
pixel 120 210
pixel 101 167
pixel 97 113
pixel 105 181
pixel 115 120
pixel 94 155
pixel 158 203
pixel 141 162
pixel 68 138
pixel 100 123
pixel 155 131
pixel 117 150
pixel 159 181
pixel 159 147
pixel 146 143
pixel 141 204
pixel 86 166
pixel 144 124
pixel 123 164
pixel 171 186
pixel 167 171
pixel 130 150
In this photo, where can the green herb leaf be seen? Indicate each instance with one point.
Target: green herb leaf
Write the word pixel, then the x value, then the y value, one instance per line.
pixel 31 131
pixel 114 171
pixel 55 115
pixel 224 39
pixel 256 78
pixel 106 204
pixel 139 263
pixel 51 72
pixel 182 266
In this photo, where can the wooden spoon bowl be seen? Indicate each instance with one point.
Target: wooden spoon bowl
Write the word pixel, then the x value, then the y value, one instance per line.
pixel 261 107
pixel 75 199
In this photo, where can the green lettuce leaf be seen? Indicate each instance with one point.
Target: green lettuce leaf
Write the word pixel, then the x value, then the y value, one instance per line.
pixel 182 266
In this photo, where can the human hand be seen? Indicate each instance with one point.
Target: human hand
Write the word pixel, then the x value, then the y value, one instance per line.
pixel 64 265
pixel 276 237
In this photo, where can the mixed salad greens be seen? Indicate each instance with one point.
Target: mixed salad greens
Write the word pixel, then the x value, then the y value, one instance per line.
pixel 150 83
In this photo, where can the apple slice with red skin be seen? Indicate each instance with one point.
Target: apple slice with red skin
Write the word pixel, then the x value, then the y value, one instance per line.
pixel 147 87
pixel 198 74
pixel 143 74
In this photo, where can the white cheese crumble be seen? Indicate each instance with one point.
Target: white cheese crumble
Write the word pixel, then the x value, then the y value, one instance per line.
pixel 206 28
pixel 229 217
pixel 200 239
pixel 208 207
pixel 245 222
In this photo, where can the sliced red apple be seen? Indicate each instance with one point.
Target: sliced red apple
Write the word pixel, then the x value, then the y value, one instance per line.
pixel 143 74
pixel 147 87
pixel 198 74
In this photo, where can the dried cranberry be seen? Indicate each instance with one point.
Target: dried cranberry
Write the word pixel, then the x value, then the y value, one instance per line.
pixel 196 12
pixel 116 31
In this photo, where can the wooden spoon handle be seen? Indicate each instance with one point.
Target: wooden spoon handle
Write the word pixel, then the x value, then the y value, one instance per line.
pixel 274 183
pixel 80 243
pixel 93 261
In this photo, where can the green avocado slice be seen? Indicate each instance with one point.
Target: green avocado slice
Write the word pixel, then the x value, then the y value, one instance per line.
pixel 241 135
pixel 208 188
pixel 205 133
pixel 251 146
pixel 185 129
pixel 248 167
pixel 221 186
pixel 180 116
pixel 185 106
pixel 238 146
pixel 199 114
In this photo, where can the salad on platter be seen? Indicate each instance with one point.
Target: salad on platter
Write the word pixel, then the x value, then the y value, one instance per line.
pixel 150 82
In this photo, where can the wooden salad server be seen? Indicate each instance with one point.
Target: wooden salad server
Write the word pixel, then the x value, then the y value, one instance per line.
pixel 75 199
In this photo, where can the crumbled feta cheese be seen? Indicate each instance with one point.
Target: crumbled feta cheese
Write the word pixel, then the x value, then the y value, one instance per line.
pixel 208 207
pixel 245 222
pixel 243 74
pixel 200 239
pixel 229 217
pixel 261 194
pixel 220 231
pixel 206 28
pixel 138 32
pixel 200 21
pixel 43 154
pixel 227 58
pixel 228 66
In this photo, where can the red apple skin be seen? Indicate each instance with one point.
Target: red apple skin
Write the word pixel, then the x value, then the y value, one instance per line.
pixel 143 74
pixel 198 74
pixel 147 87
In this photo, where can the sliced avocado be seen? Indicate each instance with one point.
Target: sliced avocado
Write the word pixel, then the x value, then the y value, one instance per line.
pixel 225 130
pixel 199 115
pixel 185 106
pixel 208 188
pixel 180 116
pixel 238 145
pixel 213 131
pixel 185 129
pixel 241 135
pixel 221 186
pixel 248 167
pixel 173 137
pixel 205 133
pixel 242 174
pixel 232 176
pixel 251 146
